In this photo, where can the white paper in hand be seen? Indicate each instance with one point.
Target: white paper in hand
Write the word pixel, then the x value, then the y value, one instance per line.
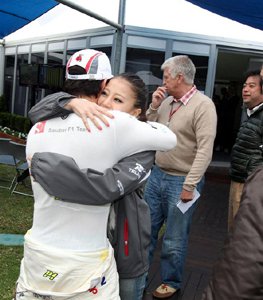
pixel 185 206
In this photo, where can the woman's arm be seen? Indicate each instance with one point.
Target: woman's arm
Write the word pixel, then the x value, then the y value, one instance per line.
pixel 62 104
pixel 60 176
pixel 50 107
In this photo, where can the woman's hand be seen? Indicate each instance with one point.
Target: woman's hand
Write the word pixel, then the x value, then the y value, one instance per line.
pixel 89 110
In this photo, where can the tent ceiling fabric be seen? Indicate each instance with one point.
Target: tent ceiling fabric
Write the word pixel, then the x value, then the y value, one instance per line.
pixel 15 14
pixel 248 12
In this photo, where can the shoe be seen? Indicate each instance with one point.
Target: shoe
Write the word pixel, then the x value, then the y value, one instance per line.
pixel 164 291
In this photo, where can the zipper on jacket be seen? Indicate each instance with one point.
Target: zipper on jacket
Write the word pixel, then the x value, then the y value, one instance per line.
pixel 126 237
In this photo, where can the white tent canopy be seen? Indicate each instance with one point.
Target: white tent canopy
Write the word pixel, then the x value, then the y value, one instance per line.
pixel 174 15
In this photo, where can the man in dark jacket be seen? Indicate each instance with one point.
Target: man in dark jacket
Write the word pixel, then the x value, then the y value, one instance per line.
pixel 239 273
pixel 246 153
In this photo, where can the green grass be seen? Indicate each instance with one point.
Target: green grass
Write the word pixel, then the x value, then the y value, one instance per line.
pixel 10 262
pixel 16 213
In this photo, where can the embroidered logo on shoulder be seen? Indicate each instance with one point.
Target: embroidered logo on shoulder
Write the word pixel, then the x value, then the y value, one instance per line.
pixel 40 127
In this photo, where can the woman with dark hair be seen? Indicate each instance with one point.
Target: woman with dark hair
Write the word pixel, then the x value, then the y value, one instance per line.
pixel 129 222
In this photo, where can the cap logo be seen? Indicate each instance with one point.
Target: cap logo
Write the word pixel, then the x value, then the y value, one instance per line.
pixel 79 58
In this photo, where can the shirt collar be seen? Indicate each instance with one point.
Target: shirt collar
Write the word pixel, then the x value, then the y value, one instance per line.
pixel 186 97
pixel 254 109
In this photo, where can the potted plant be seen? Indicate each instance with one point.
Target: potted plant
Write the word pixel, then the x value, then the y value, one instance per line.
pixel 16 136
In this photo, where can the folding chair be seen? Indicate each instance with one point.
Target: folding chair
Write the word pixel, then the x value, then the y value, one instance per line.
pixel 6 158
pixel 19 153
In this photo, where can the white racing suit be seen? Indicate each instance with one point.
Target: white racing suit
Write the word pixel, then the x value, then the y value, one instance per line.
pixel 73 231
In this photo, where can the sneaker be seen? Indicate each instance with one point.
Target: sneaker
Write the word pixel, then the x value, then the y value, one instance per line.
pixel 164 291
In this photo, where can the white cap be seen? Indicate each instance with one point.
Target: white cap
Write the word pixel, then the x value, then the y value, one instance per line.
pixel 96 64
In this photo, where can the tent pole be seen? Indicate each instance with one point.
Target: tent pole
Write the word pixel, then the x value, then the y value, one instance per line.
pixel 2 64
pixel 117 43
pixel 118 38
pixel 88 12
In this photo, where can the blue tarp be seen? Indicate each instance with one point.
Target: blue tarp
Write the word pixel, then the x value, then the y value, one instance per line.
pixel 248 12
pixel 15 14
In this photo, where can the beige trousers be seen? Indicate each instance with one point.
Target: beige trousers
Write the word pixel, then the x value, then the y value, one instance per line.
pixel 236 189
pixel 51 274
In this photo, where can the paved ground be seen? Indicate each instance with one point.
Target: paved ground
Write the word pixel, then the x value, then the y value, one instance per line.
pixel 208 232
